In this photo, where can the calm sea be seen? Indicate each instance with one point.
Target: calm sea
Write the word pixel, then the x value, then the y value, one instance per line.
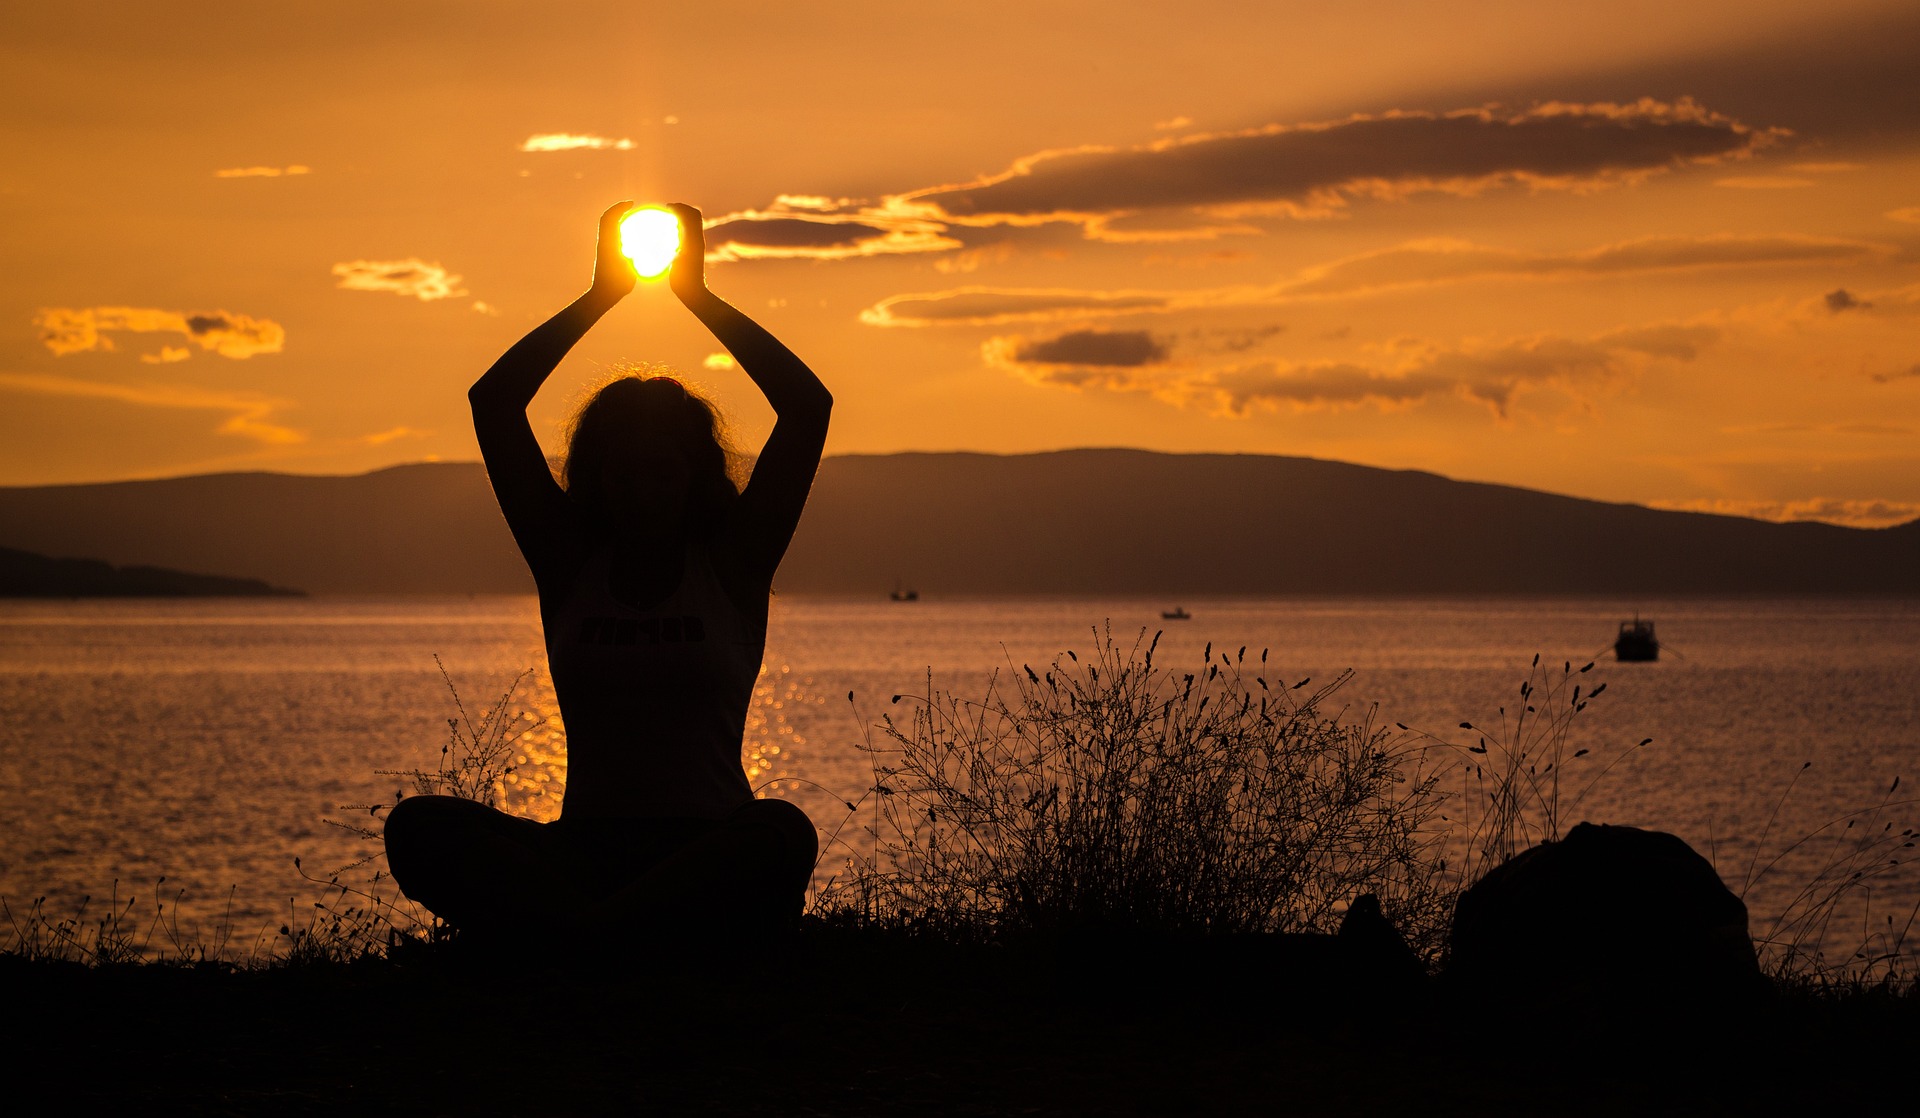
pixel 210 743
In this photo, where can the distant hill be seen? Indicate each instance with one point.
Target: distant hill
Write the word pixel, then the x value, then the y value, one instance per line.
pixel 26 575
pixel 1073 522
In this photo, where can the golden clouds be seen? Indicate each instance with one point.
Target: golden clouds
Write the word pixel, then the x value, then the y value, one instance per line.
pixel 572 141
pixel 1209 185
pixel 261 172
pixel 247 416
pixel 417 278
pixel 1763 182
pixel 66 330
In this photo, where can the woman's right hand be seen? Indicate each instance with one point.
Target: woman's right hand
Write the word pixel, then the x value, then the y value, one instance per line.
pixel 613 274
pixel 688 276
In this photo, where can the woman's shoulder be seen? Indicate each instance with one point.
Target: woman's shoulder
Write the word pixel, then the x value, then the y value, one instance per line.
pixel 744 588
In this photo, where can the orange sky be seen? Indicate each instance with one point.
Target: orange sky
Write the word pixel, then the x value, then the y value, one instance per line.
pixel 1652 252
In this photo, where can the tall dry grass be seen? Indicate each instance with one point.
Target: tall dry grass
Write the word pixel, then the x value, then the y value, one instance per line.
pixel 1114 793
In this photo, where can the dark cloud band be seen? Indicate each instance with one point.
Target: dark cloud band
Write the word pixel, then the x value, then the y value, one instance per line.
pixel 1319 165
pixel 1085 349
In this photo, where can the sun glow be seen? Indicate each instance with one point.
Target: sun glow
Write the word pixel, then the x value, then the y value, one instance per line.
pixel 651 239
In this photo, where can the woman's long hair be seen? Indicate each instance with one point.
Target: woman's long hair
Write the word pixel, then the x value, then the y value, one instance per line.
pixel 651 404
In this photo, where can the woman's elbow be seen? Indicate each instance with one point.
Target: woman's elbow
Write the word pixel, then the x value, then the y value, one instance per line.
pixel 814 404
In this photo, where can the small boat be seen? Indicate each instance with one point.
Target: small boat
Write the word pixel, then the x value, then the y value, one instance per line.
pixel 899 594
pixel 1177 613
pixel 1636 641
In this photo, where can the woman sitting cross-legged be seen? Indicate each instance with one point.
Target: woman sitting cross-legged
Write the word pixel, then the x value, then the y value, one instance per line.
pixel 654 572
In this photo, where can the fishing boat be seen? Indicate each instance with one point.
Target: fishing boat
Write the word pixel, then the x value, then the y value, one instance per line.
pixel 1636 641
pixel 1177 613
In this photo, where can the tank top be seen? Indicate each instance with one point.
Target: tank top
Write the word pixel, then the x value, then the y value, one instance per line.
pixel 654 700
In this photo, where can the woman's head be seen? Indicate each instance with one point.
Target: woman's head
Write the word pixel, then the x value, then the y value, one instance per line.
pixel 646 451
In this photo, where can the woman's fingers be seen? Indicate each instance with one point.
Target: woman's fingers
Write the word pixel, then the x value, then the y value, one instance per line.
pixel 612 271
pixel 689 267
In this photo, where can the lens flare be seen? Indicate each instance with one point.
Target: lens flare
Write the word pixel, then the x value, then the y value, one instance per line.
pixel 651 239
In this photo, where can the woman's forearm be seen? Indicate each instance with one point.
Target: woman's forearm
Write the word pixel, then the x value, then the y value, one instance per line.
pixel 514 380
pixel 786 381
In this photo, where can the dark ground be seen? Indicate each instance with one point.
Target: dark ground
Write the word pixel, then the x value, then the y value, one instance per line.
pixel 860 1025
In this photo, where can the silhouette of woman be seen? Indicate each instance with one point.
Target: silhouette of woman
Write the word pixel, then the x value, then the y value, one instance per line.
pixel 654 573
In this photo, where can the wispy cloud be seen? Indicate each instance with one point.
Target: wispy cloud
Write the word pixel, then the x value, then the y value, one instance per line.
pixel 1892 430
pixel 991 306
pixel 261 172
pixel 1415 264
pixel 1908 214
pixel 66 330
pixel 573 141
pixel 247 416
pixel 1847 512
pixel 1763 182
pixel 1493 374
pixel 1436 261
pixel 423 281
pixel 394 434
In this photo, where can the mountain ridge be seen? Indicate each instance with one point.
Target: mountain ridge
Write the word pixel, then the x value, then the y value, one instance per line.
pixel 1086 521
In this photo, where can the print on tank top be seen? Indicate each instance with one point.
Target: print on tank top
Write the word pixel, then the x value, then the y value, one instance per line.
pixel 642 631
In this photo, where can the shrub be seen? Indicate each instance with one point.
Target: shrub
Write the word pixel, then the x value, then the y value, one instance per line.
pixel 1115 794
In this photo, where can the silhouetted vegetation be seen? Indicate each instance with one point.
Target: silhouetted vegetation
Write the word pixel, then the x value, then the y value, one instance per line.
pixel 1114 794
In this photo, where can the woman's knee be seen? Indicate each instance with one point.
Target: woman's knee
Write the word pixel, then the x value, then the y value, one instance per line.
pixel 789 828
pixel 423 832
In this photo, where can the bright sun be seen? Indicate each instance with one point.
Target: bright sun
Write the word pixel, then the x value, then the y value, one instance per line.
pixel 650 238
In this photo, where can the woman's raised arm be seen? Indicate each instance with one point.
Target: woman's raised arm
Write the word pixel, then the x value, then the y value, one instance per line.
pixel 535 506
pixel 770 506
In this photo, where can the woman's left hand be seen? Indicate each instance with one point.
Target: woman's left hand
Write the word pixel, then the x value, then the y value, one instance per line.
pixel 688 275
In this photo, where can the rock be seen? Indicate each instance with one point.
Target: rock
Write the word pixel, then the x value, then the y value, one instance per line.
pixel 1378 946
pixel 1607 915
